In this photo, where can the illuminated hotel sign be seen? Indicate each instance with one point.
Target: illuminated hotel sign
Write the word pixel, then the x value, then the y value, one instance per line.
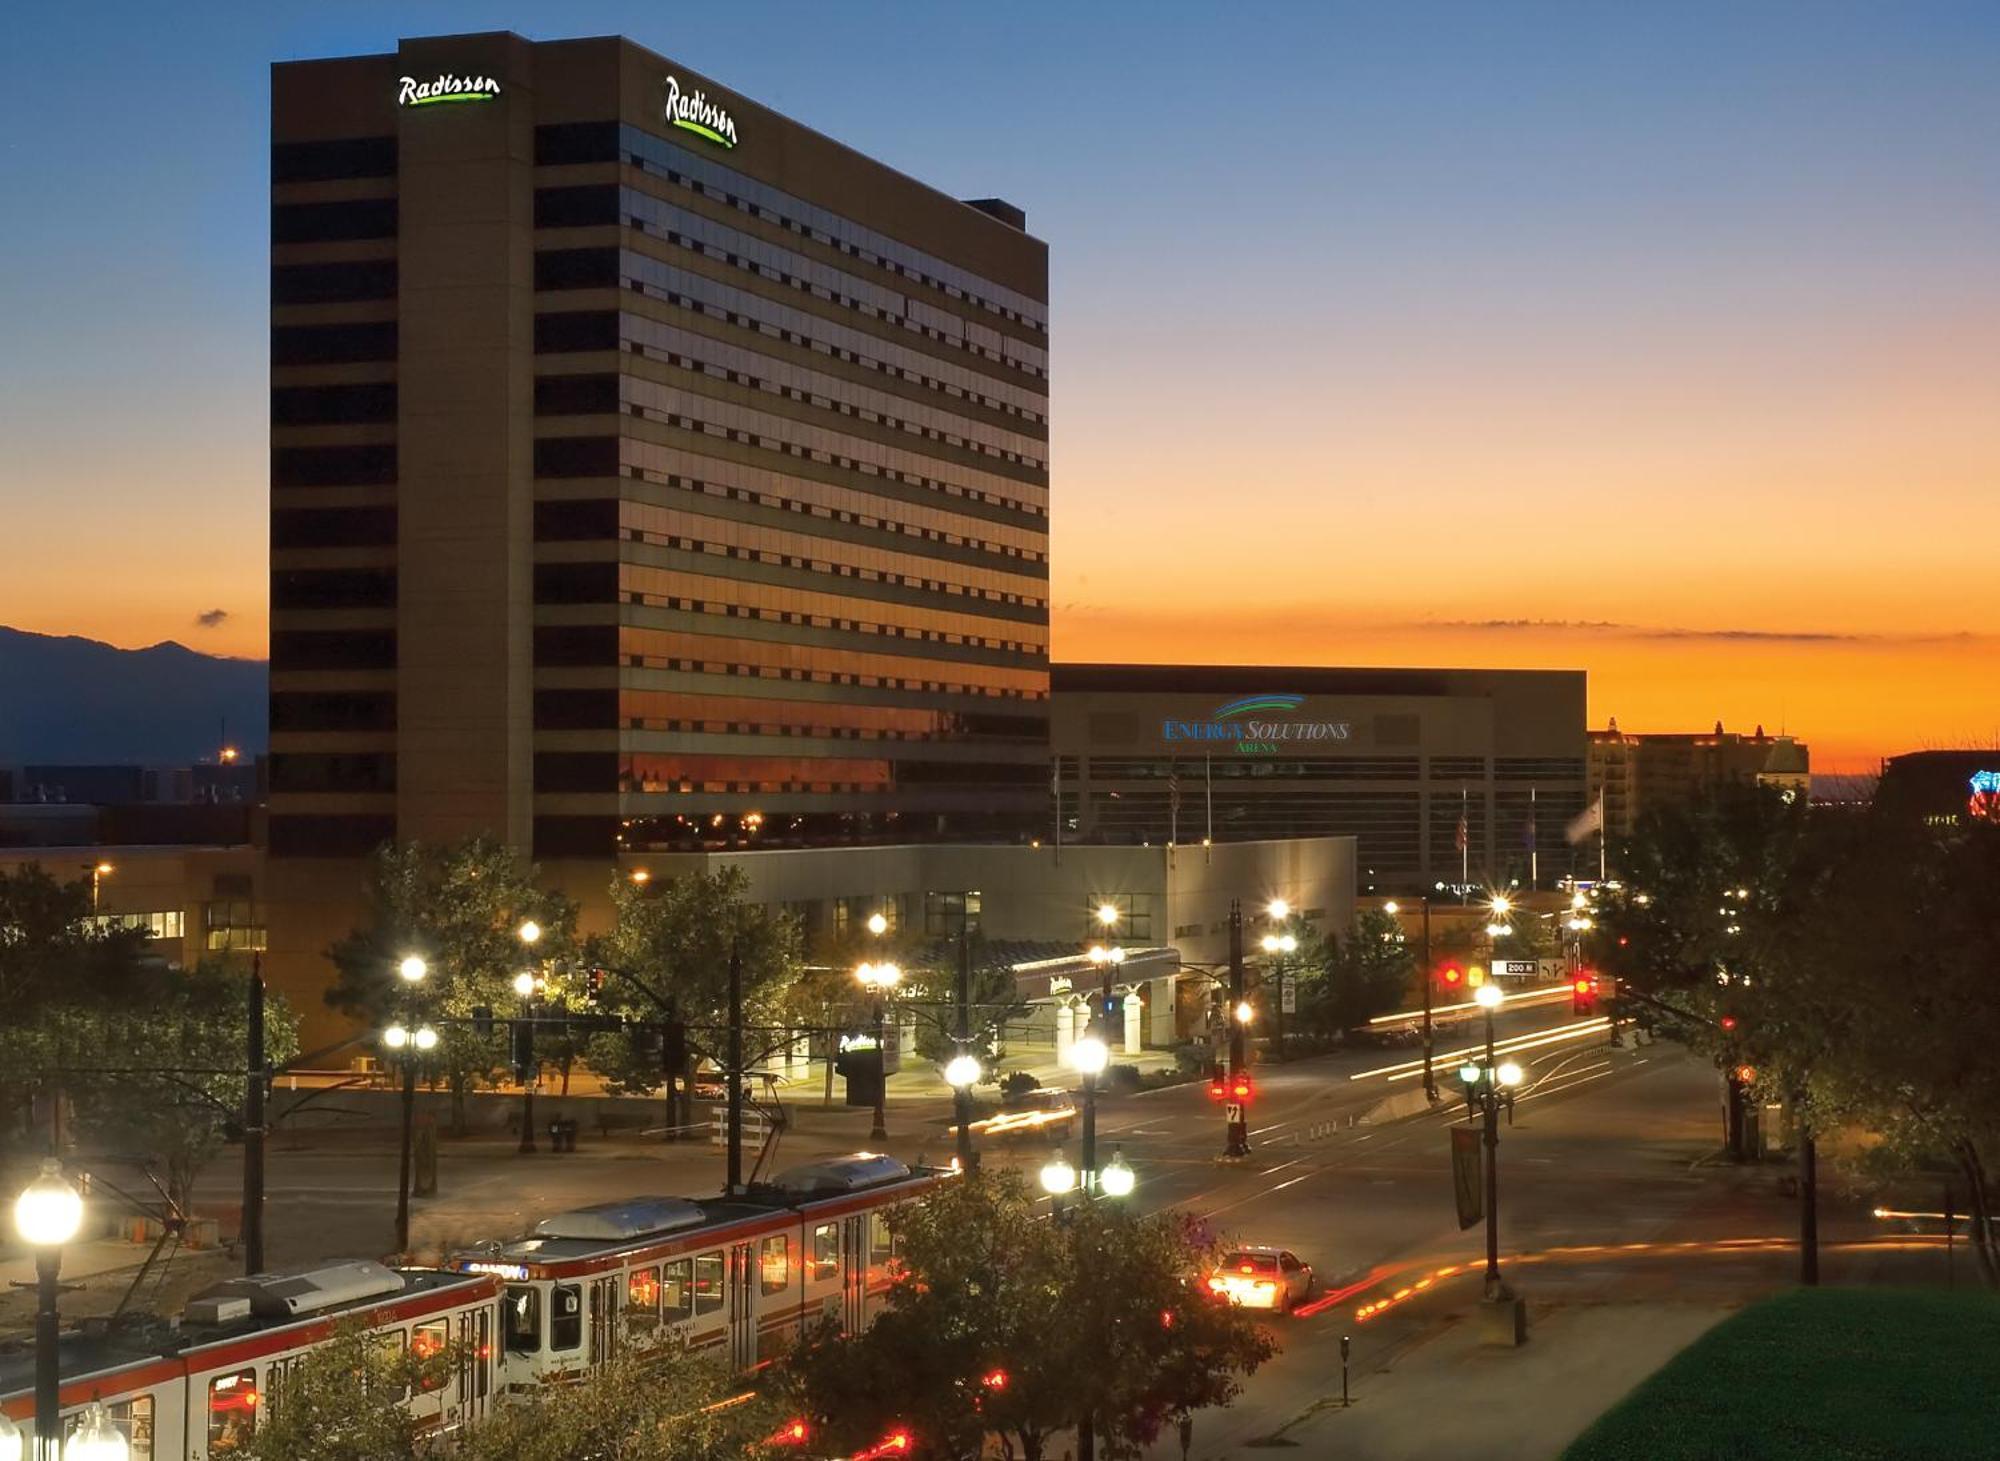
pixel 446 87
pixel 1985 802
pixel 697 114
pixel 1244 723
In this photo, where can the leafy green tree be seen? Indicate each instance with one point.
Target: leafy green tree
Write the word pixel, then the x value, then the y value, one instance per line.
pixel 167 1085
pixel 676 935
pixel 342 1401
pixel 658 1404
pixel 460 907
pixel 1001 1324
pixel 1349 977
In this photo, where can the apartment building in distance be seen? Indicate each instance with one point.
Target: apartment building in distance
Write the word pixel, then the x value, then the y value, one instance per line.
pixel 648 472
pixel 1662 769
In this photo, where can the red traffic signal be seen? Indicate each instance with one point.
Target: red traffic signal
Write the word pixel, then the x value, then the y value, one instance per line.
pixel 1451 976
pixel 1746 1075
pixel 1583 999
pixel 792 1433
pixel 1728 1024
pixel 1240 1088
pixel 1218 1084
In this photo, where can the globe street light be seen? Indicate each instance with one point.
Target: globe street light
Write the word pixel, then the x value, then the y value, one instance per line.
pixel 1058 1176
pixel 879 978
pixel 1117 1179
pixel 530 931
pixel 527 984
pixel 1088 1058
pixel 962 1073
pixel 1277 947
pixel 47 1215
pixel 413 969
pixel 96 1437
pixel 878 924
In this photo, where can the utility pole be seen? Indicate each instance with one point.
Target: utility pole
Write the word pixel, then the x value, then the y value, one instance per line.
pixel 735 1069
pixel 1809 1204
pixel 254 1090
pixel 403 1164
pixel 1238 1143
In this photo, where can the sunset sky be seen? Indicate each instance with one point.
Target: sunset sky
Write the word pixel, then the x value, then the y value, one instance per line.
pixel 1660 340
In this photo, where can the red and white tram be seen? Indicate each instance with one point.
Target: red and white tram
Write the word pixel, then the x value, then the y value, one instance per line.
pixel 192 1388
pixel 739 1276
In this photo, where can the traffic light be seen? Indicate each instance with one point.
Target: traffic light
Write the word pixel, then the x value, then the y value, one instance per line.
pixel 862 1069
pixel 593 985
pixel 1583 993
pixel 1240 1089
pixel 523 1050
pixel 1452 977
pixel 1218 1083
pixel 1728 1023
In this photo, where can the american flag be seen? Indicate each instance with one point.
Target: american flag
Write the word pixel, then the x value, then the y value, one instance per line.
pixel 1459 840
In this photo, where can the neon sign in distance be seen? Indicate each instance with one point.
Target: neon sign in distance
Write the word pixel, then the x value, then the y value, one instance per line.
pixel 694 112
pixel 445 87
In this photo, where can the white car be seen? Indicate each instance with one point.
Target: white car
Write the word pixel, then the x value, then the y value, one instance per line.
pixel 1262 1278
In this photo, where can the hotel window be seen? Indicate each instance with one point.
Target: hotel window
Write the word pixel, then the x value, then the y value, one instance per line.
pixel 169 924
pixel 947 913
pixel 232 924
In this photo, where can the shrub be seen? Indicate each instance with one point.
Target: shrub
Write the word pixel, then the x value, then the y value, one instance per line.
pixel 1017 1083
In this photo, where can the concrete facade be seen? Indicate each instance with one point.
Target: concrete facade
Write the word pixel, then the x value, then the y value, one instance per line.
pixel 1391 757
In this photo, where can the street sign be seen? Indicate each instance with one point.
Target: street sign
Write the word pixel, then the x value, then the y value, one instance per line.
pixel 1288 993
pixel 1232 1113
pixel 1465 1176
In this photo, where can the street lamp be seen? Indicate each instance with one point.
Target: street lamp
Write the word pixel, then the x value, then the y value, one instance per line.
pixel 408 1044
pixel 96 1437
pixel 1484 1087
pixel 879 979
pixel 1088 1057
pixel 47 1215
pixel 962 1073
pixel 530 932
pixel 1117 1179
pixel 527 985
pixel 1058 1176
pixel 1277 946
pixel 878 924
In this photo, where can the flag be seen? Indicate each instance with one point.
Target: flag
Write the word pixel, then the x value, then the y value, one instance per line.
pixel 1459 838
pixel 1174 789
pixel 1585 822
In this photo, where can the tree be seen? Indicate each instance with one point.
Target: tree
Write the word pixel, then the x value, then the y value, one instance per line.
pixel 676 935
pixel 343 1401
pixel 644 1404
pixel 1351 977
pixel 460 907
pixel 1002 1324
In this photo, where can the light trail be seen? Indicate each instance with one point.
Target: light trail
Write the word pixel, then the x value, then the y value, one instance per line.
pixel 1535 1039
pixel 1514 1001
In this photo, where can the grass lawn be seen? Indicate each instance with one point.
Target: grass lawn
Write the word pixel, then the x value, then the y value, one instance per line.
pixel 1822 1373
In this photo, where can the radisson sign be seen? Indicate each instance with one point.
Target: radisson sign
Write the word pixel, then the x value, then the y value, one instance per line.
pixel 445 87
pixel 694 112
pixel 1248 725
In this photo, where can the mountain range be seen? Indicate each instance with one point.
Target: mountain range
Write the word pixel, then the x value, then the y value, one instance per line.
pixel 69 701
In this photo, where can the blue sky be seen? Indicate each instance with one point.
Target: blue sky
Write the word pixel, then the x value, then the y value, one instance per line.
pixel 1353 271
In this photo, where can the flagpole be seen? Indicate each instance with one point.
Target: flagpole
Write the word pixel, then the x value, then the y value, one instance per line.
pixel 1603 835
pixel 1055 785
pixel 1208 795
pixel 1464 843
pixel 1534 845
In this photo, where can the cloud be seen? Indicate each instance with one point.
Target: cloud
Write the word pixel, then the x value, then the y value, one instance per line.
pixel 1649 631
pixel 212 618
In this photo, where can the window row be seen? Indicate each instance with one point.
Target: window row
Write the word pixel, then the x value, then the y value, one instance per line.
pixel 333 588
pixel 333 527
pixel 634 647
pixel 340 282
pixel 329 834
pixel 343 344
pixel 686 650
pixel 713 180
pixel 328 772
pixel 333 710
pixel 676 712
pixel 333 159
pixel 369 465
pixel 333 649
pixel 333 405
pixel 335 222
pixel 172 923
pixel 775 319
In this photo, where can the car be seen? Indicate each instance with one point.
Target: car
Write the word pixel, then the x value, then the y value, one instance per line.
pixel 1046 1114
pixel 1258 1277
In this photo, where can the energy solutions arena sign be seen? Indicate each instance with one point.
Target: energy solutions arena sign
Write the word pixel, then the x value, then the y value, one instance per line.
pixel 1253 727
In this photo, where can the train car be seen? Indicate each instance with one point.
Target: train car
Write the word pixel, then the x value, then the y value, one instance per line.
pixel 193 1388
pixel 739 1277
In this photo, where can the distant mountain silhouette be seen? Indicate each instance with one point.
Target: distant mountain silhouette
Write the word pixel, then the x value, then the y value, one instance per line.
pixel 74 702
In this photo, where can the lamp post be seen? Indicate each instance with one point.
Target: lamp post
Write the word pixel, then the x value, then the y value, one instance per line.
pixel 408 1046
pixel 879 979
pixel 47 1215
pixel 1277 946
pixel 1236 1138
pixel 1088 1057
pixel 1486 1086
pixel 1424 970
pixel 527 985
pixel 962 1071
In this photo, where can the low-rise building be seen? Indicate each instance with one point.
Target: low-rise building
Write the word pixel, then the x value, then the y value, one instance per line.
pixel 1654 769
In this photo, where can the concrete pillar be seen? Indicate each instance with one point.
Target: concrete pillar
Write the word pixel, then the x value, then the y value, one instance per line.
pixel 1135 1015
pixel 1160 995
pixel 1065 1029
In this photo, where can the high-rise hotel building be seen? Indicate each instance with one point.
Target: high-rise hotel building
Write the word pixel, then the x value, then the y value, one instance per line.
pixel 646 469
